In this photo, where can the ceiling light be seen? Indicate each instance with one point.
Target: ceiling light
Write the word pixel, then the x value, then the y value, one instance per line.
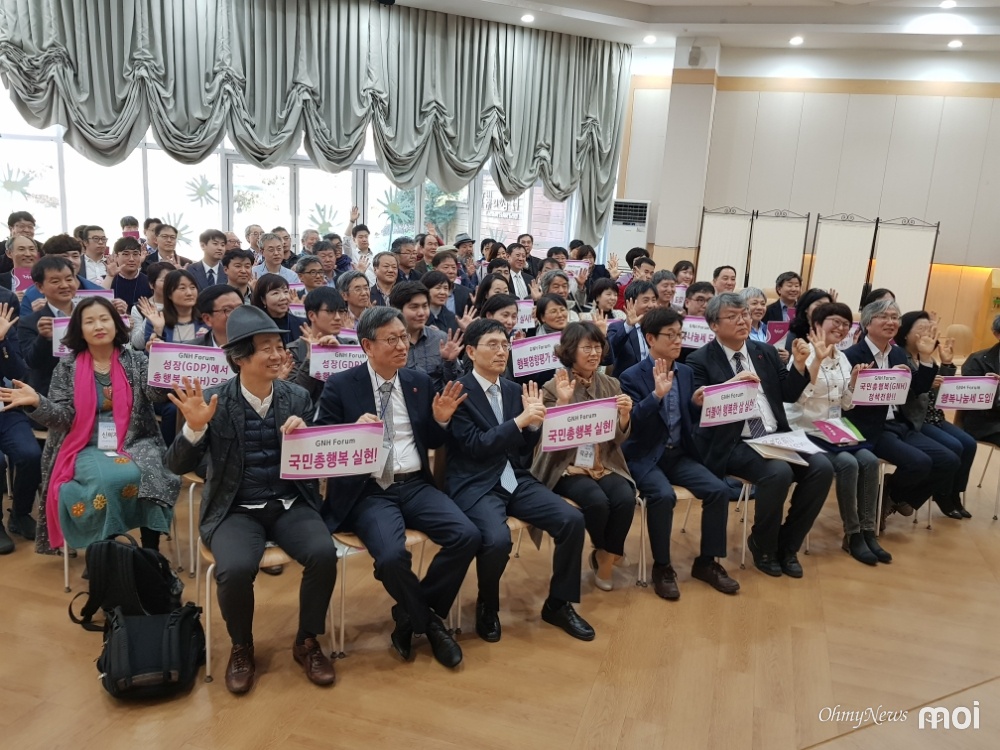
pixel 955 44
pixel 948 4
pixel 649 39
pixel 795 41
pixel 528 18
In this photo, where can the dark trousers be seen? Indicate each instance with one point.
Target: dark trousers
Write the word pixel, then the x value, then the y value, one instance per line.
pixel 773 477
pixel 924 467
pixel 238 546
pixel 380 519
pixel 20 447
pixel 535 504
pixel 608 507
pixel 677 466
pixel 959 442
pixel 168 421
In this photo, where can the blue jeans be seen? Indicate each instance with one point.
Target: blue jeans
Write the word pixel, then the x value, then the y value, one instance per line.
pixel 959 442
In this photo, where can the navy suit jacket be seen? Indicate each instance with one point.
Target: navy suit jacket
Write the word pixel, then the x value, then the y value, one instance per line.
pixel 871 419
pixel 645 445
pixel 773 312
pixel 12 365
pixel 463 299
pixel 200 274
pixel 625 350
pixel 780 384
pixel 480 447
pixel 348 395
pixel 37 351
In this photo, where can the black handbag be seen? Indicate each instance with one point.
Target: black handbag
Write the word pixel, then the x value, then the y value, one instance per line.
pixel 151 656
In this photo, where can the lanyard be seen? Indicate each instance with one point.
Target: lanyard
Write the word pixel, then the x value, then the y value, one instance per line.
pixel 388 401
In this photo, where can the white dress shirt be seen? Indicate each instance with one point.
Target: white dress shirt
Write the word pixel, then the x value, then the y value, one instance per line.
pixel 763 407
pixel 882 363
pixel 520 285
pixel 406 458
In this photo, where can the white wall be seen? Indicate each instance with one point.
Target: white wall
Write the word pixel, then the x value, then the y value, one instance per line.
pixel 645 163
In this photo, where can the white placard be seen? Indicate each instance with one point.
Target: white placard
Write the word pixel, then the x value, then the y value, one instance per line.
pixel 574 425
pixel 729 402
pixel 525 315
pixel 795 440
pixel 536 354
pixel 168 363
pixel 695 333
pixel 848 341
pixel 325 361
pixel 680 290
pixel 332 451
pixel 573 267
pixel 882 387
pixel 59 326
pixel 967 393
pixel 298 310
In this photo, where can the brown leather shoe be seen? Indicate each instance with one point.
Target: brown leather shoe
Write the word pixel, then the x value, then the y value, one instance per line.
pixel 241 669
pixel 665 582
pixel 715 576
pixel 318 668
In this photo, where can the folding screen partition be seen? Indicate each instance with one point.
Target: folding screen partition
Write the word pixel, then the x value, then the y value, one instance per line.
pixel 904 252
pixel 777 244
pixel 842 254
pixel 725 241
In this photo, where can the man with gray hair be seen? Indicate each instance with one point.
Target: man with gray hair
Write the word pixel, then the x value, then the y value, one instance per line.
pixel 666 284
pixel 354 288
pixel 984 424
pixel 309 238
pixel 253 233
pixel 273 251
pixel 400 495
pixel 731 357
pixel 924 467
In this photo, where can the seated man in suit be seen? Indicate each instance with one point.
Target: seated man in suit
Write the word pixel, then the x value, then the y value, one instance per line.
pixel 56 280
pixel 984 424
pixel 924 466
pixel 628 345
pixel 245 502
pixel 209 270
pixel 68 248
pixel 380 507
pixel 493 436
pixel 215 304
pixel 731 357
pixel 660 451
pixel 788 286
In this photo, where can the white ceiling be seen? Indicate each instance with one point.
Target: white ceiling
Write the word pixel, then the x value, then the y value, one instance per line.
pixel 824 24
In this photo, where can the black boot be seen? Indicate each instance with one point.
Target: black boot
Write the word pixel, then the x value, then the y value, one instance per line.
pixel 948 507
pixel 855 544
pixel 872 541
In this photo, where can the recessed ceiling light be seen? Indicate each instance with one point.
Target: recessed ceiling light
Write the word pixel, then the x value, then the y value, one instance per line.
pixel 528 18
pixel 948 4
pixel 795 41
pixel 955 43
pixel 649 39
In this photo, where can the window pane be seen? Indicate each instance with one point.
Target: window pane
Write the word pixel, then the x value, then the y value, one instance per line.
pixel 549 220
pixel 390 211
pixel 103 195
pixel 29 181
pixel 185 196
pixel 325 200
pixel 501 219
pixel 12 122
pixel 261 196
pixel 368 154
pixel 448 212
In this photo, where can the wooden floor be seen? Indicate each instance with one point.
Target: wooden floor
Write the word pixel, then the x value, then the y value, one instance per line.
pixel 751 671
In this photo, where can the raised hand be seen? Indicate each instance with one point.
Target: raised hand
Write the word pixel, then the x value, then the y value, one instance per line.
pixel 946 350
pixel 663 378
pixel 823 349
pixel 833 294
pixel 307 333
pixel 564 388
pixel 21 394
pixel 601 322
pixel 613 267
pixel 361 264
pixel 451 347
pixel 928 342
pixel 190 401
pixel 111 265
pixel 447 401
pixel 467 317
pixel 530 394
pixel 6 321
pixel 535 290
pixel 355 213
pixel 287 365
pixel 581 276
pixel 150 313
pixel 120 305
pixel 800 353
pixel 632 318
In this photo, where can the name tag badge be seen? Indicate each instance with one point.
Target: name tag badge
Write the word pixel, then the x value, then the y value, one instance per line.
pixel 107 436
pixel 585 456
pixel 835 411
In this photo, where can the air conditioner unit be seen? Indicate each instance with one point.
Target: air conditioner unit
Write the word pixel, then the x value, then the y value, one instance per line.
pixel 628 227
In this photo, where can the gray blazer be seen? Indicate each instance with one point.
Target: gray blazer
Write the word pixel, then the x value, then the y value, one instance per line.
pixel 225 442
pixel 143 441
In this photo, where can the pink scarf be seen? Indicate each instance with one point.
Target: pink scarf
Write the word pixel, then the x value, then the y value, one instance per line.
pixel 80 432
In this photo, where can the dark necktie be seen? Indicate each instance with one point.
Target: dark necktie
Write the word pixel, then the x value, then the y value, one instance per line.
pixel 756 424
pixel 211 276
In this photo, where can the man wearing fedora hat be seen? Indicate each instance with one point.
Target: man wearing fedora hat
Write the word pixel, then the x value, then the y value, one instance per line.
pixel 245 502
pixel 465 247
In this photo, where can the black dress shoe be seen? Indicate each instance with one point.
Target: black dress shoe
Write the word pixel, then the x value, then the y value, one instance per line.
pixel 715 576
pixel 487 623
pixel 565 617
pixel 955 513
pixel 765 562
pixel 872 541
pixel 665 582
pixel 859 549
pixel 790 565
pixel 23 525
pixel 964 512
pixel 402 635
pixel 6 543
pixel 446 651
pixel 273 570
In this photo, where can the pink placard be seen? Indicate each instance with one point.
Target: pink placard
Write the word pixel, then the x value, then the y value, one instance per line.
pixel 332 451
pixel 967 393
pixel 729 402
pixel 882 387
pixel 574 425
pixel 535 354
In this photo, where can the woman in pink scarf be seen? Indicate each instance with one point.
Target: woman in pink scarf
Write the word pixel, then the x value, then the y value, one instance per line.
pixel 102 467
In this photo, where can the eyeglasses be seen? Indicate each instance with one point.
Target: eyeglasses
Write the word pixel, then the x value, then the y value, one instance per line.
pixel 129 254
pixel 838 323
pixel 670 335
pixel 591 348
pixel 314 272
pixel 99 240
pixel 227 311
pixel 167 237
pixel 886 318
pixel 357 288
pixel 393 341
pixel 496 346
pixel 701 299
pixel 745 315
